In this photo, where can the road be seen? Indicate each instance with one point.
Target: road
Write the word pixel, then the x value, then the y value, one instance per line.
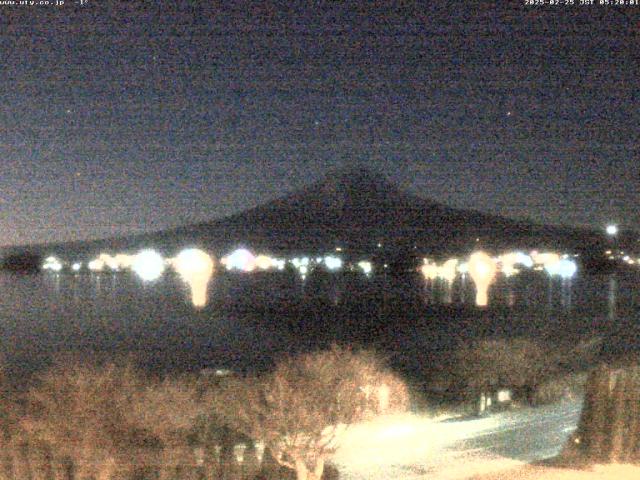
pixel 416 447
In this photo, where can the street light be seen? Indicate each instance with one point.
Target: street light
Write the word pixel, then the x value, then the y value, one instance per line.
pixel 482 270
pixel 612 230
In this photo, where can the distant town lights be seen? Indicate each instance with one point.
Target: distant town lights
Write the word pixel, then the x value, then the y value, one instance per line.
pixel 264 262
pixel 365 266
pixel 52 263
pixel 195 267
pixel 564 268
pixel 333 263
pixel 96 265
pixel 241 259
pixel 482 270
pixel 612 230
pixel 148 265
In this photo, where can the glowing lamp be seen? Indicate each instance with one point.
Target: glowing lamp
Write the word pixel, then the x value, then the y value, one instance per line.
pixel 333 263
pixel 524 259
pixel 482 270
pixel 365 266
pixel 430 271
pixel 546 258
pixel 612 230
pixel 52 263
pixel 109 261
pixel 76 267
pixel 448 270
pixel 123 260
pixel 508 262
pixel 148 265
pixel 303 270
pixel 195 267
pixel 241 259
pixel 564 268
pixel 264 262
pixel 96 265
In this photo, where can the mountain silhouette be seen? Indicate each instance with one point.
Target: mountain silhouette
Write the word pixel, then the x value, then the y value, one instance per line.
pixel 357 209
pixel 360 211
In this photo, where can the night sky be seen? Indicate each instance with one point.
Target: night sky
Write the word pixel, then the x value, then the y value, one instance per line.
pixel 121 117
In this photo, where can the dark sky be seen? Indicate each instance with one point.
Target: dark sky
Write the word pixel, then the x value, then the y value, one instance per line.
pixel 118 117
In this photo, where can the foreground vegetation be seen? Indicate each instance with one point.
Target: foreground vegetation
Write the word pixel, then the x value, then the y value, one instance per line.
pixel 110 421
pixel 100 421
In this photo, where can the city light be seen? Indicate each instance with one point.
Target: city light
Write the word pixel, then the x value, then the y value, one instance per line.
pixel 448 270
pixel 148 265
pixel 264 262
pixel 365 266
pixel 333 263
pixel 96 265
pixel 195 267
pixel 52 263
pixel 482 269
pixel 240 259
pixel 429 270
pixel 109 261
pixel 612 230
pixel 123 260
pixel 564 268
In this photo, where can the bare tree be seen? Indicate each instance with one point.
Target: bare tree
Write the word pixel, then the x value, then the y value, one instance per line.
pixel 81 413
pixel 485 365
pixel 169 410
pixel 300 409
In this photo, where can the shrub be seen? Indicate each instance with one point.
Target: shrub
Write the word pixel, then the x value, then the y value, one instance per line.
pixel 105 419
pixel 81 413
pixel 492 363
pixel 562 387
pixel 300 409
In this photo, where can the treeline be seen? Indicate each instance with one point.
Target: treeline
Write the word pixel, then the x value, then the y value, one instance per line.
pixel 110 421
pixel 28 262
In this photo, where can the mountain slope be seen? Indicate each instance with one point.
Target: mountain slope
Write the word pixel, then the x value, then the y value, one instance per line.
pixel 356 209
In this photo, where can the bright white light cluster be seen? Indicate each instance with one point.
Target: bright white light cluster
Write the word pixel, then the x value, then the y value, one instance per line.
pixel 333 263
pixel 245 261
pixel 96 265
pixel 447 271
pixel 195 267
pixel 366 267
pixel 564 268
pixel 508 261
pixel 240 259
pixel 302 264
pixel 52 264
pixel 482 270
pixel 114 263
pixel 148 265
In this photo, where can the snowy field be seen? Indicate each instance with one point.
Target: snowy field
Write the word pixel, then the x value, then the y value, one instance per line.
pixel 414 446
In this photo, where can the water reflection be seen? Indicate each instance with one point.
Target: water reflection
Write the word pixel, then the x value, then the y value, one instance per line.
pixel 195 267
pixel 567 293
pixel 247 317
pixel 612 297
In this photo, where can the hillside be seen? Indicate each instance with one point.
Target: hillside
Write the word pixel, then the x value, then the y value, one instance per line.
pixel 355 209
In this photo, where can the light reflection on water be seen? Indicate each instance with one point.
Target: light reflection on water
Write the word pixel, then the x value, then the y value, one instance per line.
pixel 595 293
pixel 44 314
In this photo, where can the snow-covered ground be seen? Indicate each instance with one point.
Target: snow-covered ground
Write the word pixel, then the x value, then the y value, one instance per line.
pixel 414 446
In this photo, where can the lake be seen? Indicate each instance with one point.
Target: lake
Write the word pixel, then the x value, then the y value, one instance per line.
pixel 252 318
